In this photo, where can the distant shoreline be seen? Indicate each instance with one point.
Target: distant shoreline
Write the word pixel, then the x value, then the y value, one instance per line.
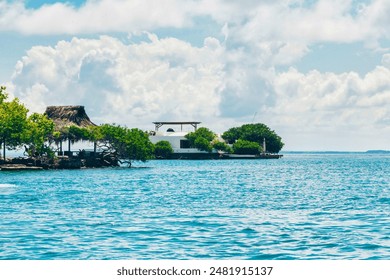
pixel 14 154
pixel 338 152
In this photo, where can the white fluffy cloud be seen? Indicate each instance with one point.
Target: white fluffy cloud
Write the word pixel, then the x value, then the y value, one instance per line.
pixel 220 83
pixel 94 16
pixel 344 109
pixel 288 21
pixel 168 79
pixel 303 21
pixel 328 100
pixel 130 84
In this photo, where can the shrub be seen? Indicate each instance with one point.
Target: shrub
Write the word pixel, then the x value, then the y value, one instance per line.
pixel 203 144
pixel 222 146
pixel 163 149
pixel 255 133
pixel 201 139
pixel 244 147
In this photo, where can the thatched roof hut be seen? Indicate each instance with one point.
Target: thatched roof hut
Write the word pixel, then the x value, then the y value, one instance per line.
pixel 66 116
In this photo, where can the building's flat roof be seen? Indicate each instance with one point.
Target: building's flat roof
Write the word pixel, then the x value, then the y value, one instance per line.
pixel 176 123
pixel 160 124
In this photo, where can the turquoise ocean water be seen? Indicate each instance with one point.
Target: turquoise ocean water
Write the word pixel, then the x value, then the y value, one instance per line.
pixel 303 206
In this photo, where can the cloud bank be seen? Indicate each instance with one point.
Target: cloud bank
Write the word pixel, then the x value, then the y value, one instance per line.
pixel 168 79
pixel 297 21
pixel 133 84
pixel 245 76
pixel 94 16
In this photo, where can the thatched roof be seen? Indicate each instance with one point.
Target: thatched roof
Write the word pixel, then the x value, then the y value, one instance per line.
pixel 65 116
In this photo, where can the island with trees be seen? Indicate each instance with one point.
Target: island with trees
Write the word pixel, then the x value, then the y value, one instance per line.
pixel 47 140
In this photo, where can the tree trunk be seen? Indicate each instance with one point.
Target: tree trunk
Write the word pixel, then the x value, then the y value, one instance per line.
pixel 61 147
pixel 69 145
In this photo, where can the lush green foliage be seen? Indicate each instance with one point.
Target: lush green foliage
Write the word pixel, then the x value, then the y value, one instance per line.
pixel 94 133
pixel 244 147
pixel 127 144
pixel 222 146
pixel 117 141
pixel 13 121
pixel 203 144
pixel 39 130
pixel 255 133
pixel 76 133
pixel 201 139
pixel 163 149
pixel 3 94
pixel 232 135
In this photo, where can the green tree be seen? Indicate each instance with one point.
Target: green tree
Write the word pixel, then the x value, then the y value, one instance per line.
pixel 201 139
pixel 13 121
pixel 163 149
pixel 94 135
pixel 38 132
pixel 73 134
pixel 76 133
pixel 222 146
pixel 232 135
pixel 126 144
pixel 3 94
pixel 203 144
pixel 138 145
pixel 255 133
pixel 244 147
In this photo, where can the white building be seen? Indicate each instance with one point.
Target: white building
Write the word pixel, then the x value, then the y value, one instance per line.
pixel 175 135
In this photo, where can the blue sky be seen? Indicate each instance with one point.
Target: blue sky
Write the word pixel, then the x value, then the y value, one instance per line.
pixel 34 4
pixel 317 72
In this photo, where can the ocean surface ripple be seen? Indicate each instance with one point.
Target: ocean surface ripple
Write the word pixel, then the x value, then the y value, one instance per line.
pixel 303 206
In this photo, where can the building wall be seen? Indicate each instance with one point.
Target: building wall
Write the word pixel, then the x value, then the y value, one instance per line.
pixel 174 139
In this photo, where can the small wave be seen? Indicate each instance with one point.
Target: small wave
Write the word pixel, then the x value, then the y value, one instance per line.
pixel 384 200
pixel 320 213
pixel 369 246
pixel 271 256
pixel 248 230
pixel 7 189
pixel 5 186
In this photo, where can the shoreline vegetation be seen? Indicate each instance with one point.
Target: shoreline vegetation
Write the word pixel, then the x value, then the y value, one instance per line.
pixel 42 137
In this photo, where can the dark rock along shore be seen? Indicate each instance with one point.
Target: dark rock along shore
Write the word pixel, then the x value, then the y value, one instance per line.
pixel 60 162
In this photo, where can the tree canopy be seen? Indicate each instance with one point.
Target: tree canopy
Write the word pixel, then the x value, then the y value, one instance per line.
pixel 255 133
pixel 126 144
pixel 13 121
pixel 37 133
pixel 116 142
pixel 245 147
pixel 221 146
pixel 163 149
pixel 201 139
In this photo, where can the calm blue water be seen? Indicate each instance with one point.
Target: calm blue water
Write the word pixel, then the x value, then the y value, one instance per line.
pixel 304 206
